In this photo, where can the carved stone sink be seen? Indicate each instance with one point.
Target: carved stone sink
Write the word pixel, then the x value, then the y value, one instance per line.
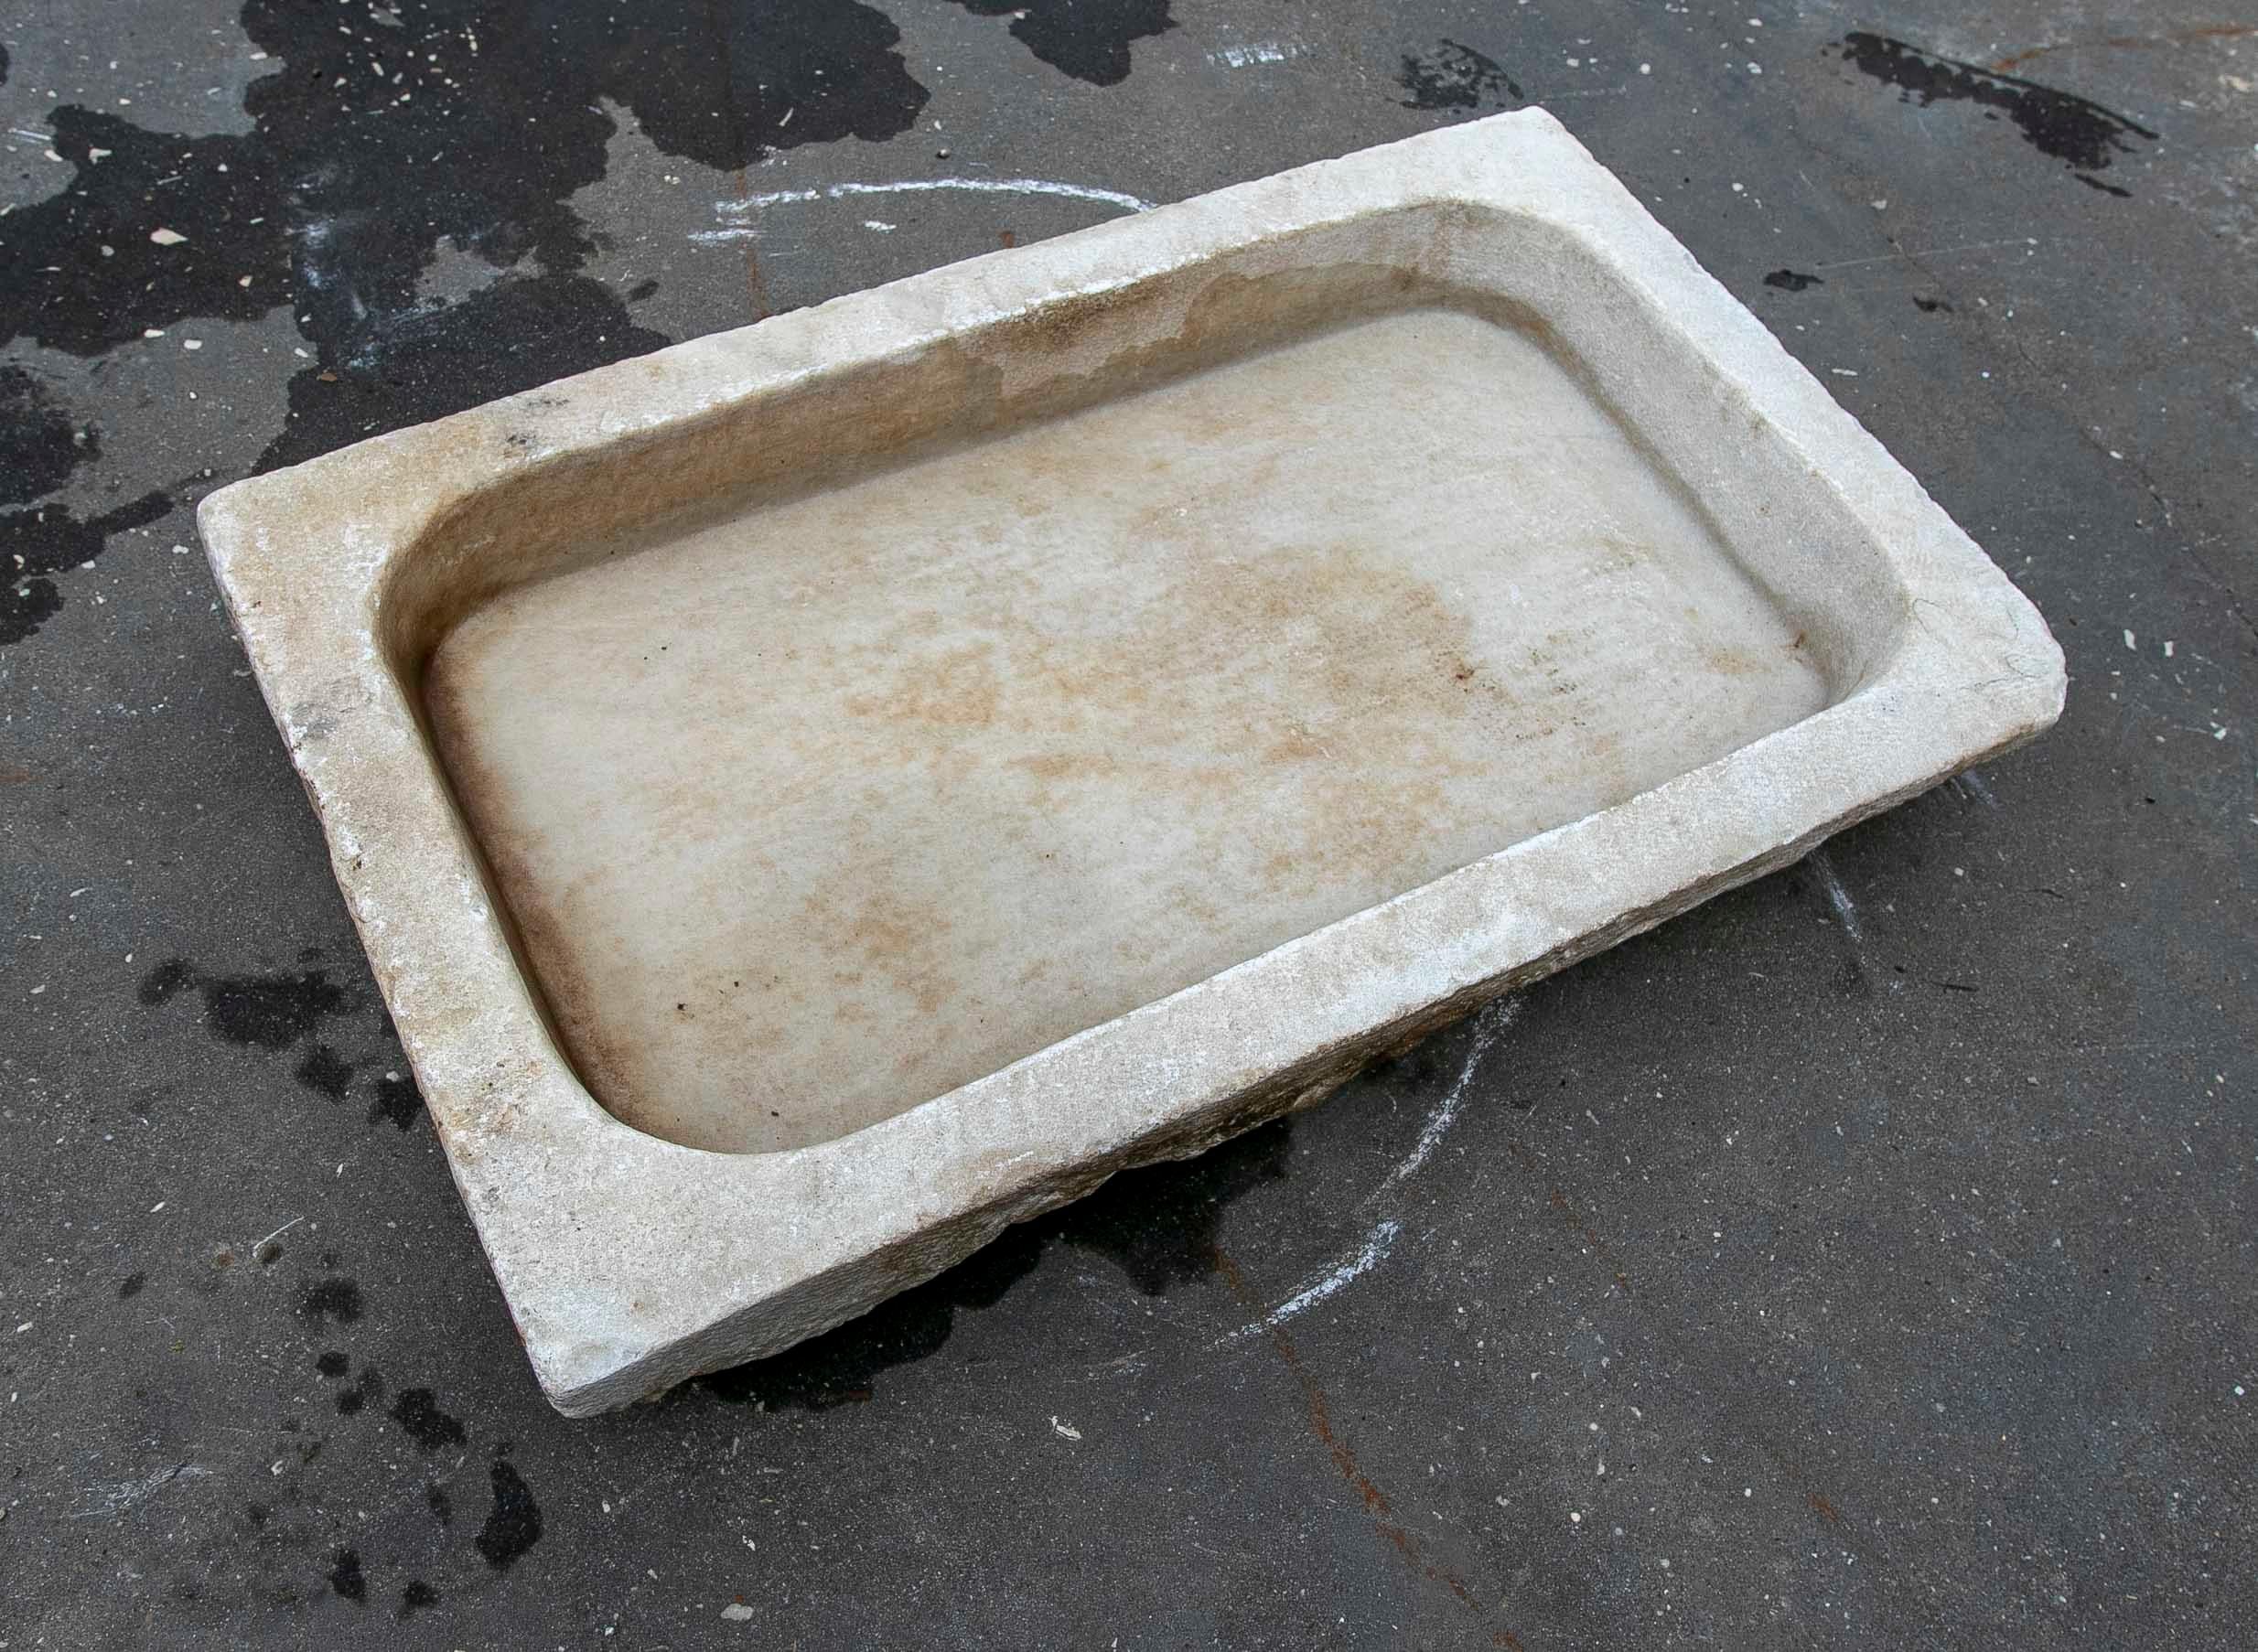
pixel 814 795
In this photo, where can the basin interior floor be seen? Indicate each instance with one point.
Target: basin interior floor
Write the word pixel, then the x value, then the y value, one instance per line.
pixel 1004 743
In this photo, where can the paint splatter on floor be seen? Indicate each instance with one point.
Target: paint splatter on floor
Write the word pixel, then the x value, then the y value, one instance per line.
pixel 2076 131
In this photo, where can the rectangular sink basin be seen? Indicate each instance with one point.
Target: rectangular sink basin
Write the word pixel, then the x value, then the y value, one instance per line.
pixel 816 806
pixel 817 794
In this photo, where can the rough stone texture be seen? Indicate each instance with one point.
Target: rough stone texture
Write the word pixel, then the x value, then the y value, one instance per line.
pixel 1909 1191
pixel 1717 552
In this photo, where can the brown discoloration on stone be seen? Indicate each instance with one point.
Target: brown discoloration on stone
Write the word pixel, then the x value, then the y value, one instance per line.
pixel 1139 691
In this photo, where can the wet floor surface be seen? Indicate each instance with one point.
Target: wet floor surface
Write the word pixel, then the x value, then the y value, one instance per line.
pixel 1865 1260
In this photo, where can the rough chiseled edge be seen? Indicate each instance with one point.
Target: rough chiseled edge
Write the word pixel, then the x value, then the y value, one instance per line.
pixel 717 1261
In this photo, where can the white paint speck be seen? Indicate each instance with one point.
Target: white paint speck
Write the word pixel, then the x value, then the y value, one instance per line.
pixel 1066 1430
pixel 737 1611
pixel 167 238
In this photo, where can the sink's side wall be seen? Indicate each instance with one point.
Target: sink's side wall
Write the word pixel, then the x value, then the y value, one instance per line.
pixel 1767 503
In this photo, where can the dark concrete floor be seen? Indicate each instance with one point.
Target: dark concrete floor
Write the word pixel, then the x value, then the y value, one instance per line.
pixel 1865 1260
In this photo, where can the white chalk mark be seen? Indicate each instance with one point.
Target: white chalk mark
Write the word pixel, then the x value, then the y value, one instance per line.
pixel 1489 1023
pixel 1367 1257
pixel 923 186
pixel 1490 1020
pixel 1837 896
pixel 1259 51
pixel 110 1501
pixel 1971 783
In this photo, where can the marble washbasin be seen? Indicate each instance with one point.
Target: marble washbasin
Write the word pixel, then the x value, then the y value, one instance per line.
pixel 816 794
